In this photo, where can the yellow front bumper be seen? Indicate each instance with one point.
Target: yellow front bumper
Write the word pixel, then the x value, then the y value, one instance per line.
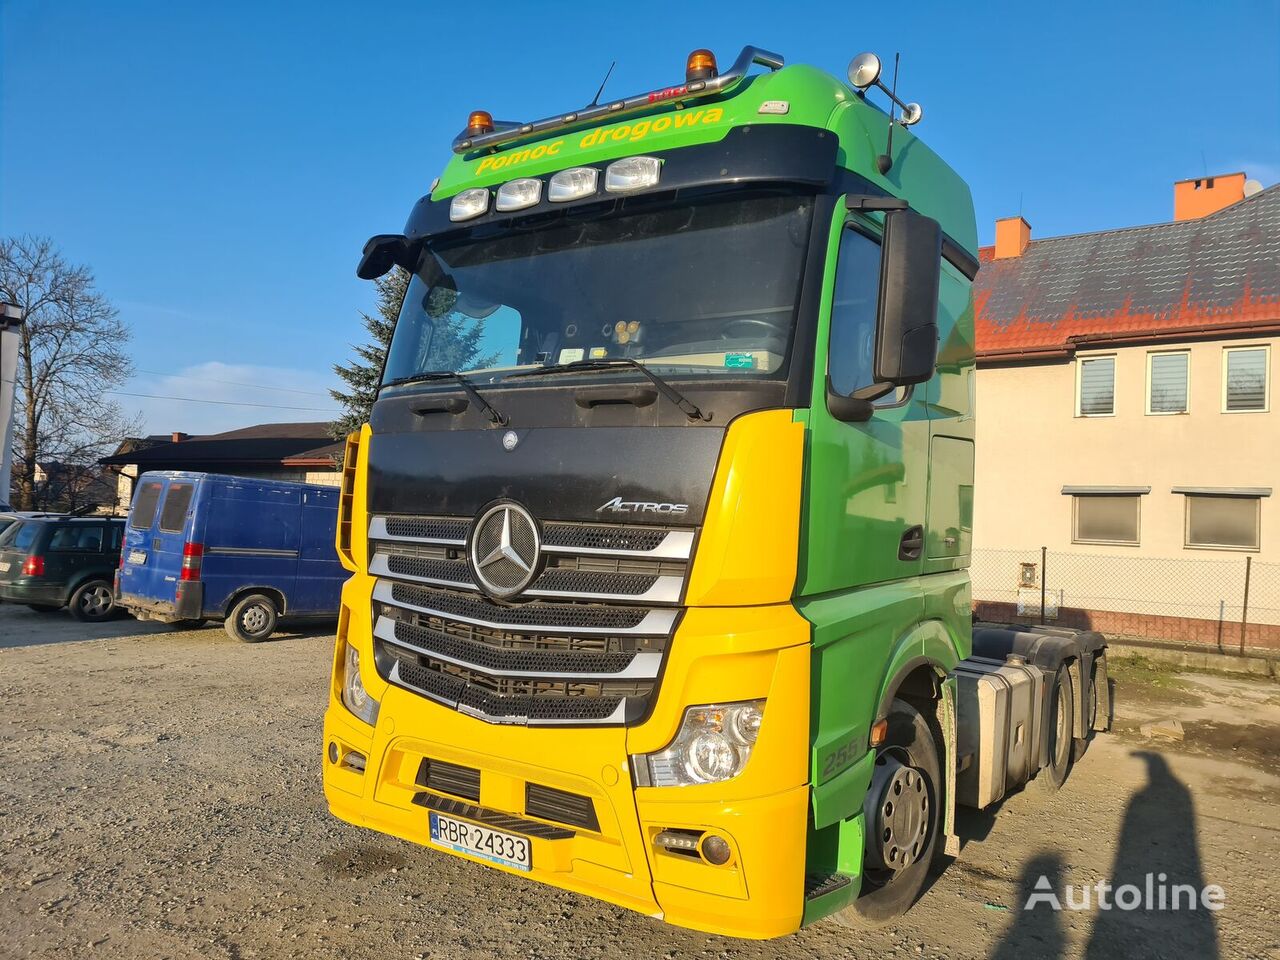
pixel 718 655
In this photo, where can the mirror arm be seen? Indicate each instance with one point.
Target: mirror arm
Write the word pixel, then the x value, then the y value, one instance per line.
pixel 857 407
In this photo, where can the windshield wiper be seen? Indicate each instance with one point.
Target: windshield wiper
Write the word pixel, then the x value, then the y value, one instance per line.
pixel 496 418
pixel 689 409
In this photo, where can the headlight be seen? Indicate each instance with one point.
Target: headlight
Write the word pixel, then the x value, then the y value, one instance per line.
pixel 354 696
pixel 713 744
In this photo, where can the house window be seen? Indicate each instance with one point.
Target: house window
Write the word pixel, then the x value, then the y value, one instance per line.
pixel 1096 387
pixel 1245 379
pixel 1105 518
pixel 1167 390
pixel 1223 522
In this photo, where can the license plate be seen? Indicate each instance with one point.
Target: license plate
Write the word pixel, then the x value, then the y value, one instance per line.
pixel 504 849
pixel 4 566
pixel 137 556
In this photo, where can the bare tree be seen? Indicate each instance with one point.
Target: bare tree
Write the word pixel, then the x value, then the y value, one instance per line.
pixel 70 353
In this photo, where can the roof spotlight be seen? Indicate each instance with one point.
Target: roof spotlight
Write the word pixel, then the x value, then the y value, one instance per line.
pixel 864 70
pixel 911 114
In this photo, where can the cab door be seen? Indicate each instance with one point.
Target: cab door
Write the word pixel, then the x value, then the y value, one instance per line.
pixel 866 481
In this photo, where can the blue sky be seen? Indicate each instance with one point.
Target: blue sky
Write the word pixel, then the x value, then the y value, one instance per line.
pixel 219 165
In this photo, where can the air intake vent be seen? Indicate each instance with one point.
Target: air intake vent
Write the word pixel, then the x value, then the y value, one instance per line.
pixel 561 806
pixel 450 778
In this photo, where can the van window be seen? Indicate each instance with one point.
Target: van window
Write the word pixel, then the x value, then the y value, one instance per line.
pixel 144 506
pixel 174 515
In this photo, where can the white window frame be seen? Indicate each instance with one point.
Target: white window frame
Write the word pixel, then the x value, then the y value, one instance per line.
pixel 1115 380
pixel 1266 378
pixel 1232 548
pixel 1168 413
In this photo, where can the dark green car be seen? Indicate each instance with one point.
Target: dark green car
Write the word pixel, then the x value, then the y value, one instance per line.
pixel 52 562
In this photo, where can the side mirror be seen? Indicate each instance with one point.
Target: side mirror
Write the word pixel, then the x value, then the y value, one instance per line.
pixel 383 252
pixel 907 323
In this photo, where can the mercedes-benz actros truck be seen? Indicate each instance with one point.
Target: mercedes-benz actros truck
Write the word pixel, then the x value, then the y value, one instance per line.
pixel 659 529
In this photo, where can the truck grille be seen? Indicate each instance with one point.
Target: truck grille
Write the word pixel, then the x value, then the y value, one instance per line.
pixel 582 644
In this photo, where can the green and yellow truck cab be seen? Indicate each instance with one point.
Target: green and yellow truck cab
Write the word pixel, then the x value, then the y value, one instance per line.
pixel 659 531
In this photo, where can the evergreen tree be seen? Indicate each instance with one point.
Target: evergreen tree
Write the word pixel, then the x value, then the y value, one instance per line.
pixel 454 344
pixel 362 372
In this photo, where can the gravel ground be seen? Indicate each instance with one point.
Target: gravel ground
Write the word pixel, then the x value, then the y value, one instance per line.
pixel 160 797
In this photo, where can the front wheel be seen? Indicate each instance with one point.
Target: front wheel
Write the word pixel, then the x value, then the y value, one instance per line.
pixel 252 619
pixel 93 602
pixel 902 819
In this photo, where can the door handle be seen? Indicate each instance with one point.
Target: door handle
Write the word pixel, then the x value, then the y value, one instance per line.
pixel 912 543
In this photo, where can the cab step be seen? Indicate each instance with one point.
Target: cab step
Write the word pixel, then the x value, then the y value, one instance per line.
pixel 820 884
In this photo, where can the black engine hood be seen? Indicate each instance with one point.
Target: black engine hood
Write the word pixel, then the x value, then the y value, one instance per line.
pixel 568 461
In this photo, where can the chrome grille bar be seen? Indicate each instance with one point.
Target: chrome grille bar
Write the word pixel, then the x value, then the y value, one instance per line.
pixel 643 666
pixel 653 623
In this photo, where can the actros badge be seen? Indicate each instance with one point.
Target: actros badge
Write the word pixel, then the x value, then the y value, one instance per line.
pixel 618 505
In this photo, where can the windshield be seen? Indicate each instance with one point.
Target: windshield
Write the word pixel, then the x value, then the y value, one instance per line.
pixel 707 287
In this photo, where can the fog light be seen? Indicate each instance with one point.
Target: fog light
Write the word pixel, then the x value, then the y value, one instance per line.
pixel 632 174
pixel 681 841
pixel 572 184
pixel 519 194
pixel 333 752
pixel 354 761
pixel 354 696
pixel 715 849
pixel 469 204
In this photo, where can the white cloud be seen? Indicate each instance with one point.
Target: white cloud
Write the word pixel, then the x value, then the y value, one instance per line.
pixel 222 396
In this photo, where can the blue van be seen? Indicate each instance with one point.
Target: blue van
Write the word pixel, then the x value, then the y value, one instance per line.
pixel 202 546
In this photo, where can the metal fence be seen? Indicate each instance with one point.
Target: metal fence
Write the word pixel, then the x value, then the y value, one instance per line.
pixel 1230 603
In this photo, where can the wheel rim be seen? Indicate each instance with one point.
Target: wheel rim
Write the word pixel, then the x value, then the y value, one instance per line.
pixel 898 811
pixel 254 620
pixel 96 601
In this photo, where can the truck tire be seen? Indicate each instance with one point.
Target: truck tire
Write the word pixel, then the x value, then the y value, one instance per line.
pixel 1090 719
pixel 1061 742
pixel 252 619
pixel 93 602
pixel 902 814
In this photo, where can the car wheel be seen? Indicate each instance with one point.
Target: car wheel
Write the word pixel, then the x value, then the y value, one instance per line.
pixel 902 813
pixel 1061 727
pixel 93 602
pixel 252 619
pixel 44 607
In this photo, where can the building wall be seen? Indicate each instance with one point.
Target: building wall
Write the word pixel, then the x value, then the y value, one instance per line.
pixel 1030 444
pixel 126 482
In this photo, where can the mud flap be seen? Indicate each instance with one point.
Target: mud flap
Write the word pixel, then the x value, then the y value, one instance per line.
pixel 951 842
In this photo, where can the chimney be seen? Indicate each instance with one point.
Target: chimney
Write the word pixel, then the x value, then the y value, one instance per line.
pixel 177 437
pixel 1012 236
pixel 1193 199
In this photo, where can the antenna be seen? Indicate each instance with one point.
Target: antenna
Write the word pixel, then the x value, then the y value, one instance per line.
pixel 596 100
pixel 885 160
pixel 864 72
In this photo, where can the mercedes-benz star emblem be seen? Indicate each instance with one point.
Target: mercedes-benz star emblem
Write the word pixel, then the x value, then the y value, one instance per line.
pixel 509 440
pixel 504 550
